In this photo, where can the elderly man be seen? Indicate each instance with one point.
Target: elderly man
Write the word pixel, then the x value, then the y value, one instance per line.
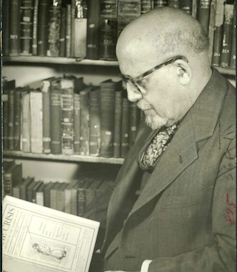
pixel 173 208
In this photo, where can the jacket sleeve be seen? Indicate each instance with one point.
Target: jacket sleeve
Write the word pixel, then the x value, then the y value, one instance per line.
pixel 221 256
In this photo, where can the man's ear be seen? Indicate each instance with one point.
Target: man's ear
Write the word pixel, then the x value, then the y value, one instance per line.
pixel 184 71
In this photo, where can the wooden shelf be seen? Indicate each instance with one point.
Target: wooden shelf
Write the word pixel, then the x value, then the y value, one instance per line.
pixel 58 60
pixel 226 71
pixel 61 157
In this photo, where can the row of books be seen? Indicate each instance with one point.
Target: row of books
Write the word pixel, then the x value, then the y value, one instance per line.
pixel 90 28
pixel 73 198
pixel 66 117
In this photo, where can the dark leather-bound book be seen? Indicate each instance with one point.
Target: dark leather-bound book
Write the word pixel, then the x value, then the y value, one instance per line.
pixel 107 94
pixel 233 45
pixel 11 110
pixel 67 87
pixel 26 120
pixel 94 130
pixel 82 196
pixel 24 186
pixel 6 164
pixel 117 122
pixel 45 89
pixel 39 196
pixel 55 116
pixel 14 49
pixel 227 36
pixel 134 122
pixel 125 127
pixel 17 118
pixel 5 27
pixel 54 31
pixel 47 189
pixel 42 29
pixel 78 87
pixel 73 15
pixel 68 30
pixel 108 29
pixel 29 190
pixel 35 26
pixel 11 177
pixel 16 189
pixel 74 195
pixel 127 12
pixel 93 30
pixel 216 58
pixel 84 138
pixel 203 14
pixel 62 40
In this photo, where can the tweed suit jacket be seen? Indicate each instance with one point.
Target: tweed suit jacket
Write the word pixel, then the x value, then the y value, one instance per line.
pixel 184 219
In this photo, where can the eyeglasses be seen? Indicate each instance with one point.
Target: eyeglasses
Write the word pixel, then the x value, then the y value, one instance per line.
pixel 135 81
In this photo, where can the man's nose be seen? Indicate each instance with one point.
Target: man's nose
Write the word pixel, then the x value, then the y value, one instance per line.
pixel 133 94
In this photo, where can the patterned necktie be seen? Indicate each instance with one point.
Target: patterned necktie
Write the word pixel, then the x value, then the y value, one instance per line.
pixel 159 144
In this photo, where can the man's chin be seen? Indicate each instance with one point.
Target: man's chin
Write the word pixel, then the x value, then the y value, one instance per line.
pixel 155 122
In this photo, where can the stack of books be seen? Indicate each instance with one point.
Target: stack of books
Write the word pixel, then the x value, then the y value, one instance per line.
pixel 65 116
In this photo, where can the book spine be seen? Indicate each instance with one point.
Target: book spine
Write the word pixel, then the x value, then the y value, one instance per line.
pixel 204 14
pixel 134 121
pixel 76 123
pixel 171 3
pixel 35 24
pixel 108 30
pixel 54 31
pixel 23 192
pixel 8 184
pixel 233 45
pixel 94 130
pixel 73 16
pixel 55 119
pixel 93 30
pixel 74 202
pixel 5 104
pixel 60 200
pixel 17 120
pixel 186 5
pixel 53 199
pixel 14 28
pixel 26 122
pixel 125 128
pixel 194 9
pixel 81 196
pixel 146 5
pixel 160 3
pixel 211 28
pixel 37 122
pixel 11 120
pixel 67 197
pixel 80 38
pixel 40 198
pixel 85 117
pixel 5 27
pixel 16 192
pixel 68 31
pixel 42 43
pixel 216 58
pixel 227 36
pixel 117 124
pixel 67 87
pixel 62 40
pixel 29 194
pixel 90 195
pixel 47 198
pixel 46 116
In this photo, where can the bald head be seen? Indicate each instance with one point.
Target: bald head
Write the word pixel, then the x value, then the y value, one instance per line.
pixel 162 33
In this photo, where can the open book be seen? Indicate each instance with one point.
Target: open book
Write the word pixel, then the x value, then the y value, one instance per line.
pixel 40 239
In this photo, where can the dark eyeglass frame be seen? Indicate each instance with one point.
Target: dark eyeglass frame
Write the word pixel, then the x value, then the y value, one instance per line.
pixel 137 79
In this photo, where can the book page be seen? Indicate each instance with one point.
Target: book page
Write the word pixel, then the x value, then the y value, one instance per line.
pixel 45 238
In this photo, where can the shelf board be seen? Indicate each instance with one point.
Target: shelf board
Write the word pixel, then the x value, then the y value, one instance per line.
pixel 61 157
pixel 58 60
pixel 226 71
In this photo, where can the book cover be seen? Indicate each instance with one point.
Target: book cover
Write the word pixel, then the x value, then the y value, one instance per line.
pixel 23 187
pixel 14 28
pixel 39 196
pixel 26 121
pixel 29 190
pixel 67 88
pixel 62 40
pixel 41 238
pixel 117 122
pixel 60 206
pixel 133 122
pixel 107 92
pixel 55 116
pixel 85 117
pixel 11 114
pixel 233 44
pixel 94 126
pixel 11 177
pixel 125 127
pixel 93 30
pixel 36 113
pixel 81 197
pixel 35 30
pixel 53 195
pixel 203 14
pixel 227 36
pixel 42 28
pixel 74 195
pixel 68 197
pixel 5 27
pixel 47 190
pixel 108 29
pixel 68 30
pixel 54 30
pixel 17 118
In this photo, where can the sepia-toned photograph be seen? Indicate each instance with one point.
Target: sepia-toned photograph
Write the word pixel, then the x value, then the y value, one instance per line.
pixel 118 135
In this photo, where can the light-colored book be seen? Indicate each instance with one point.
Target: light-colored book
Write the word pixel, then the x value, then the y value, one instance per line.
pixel 40 239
